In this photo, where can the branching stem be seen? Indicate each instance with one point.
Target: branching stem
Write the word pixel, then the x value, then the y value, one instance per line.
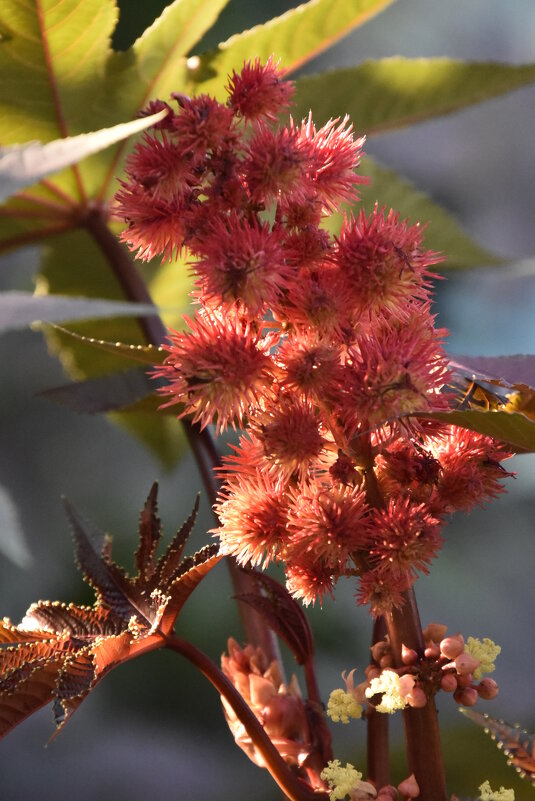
pixel 290 784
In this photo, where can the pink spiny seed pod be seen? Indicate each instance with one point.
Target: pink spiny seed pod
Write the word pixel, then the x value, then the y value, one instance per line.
pixel 408 655
pixel 417 698
pixel 451 647
pixel 409 787
pixel 434 632
pixel 465 663
pixel 432 651
pixel 449 683
pixel 466 697
pixel 487 689
pixel 386 661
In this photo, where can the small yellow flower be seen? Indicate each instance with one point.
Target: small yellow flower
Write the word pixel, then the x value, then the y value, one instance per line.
pixel 487 794
pixel 345 781
pixel 388 684
pixel 342 706
pixel 485 651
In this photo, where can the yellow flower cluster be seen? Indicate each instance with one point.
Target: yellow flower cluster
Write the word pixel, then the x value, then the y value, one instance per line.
pixel 342 706
pixel 345 781
pixel 487 794
pixel 485 651
pixel 389 685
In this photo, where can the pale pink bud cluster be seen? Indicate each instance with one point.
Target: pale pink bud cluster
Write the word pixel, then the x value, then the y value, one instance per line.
pixel 444 665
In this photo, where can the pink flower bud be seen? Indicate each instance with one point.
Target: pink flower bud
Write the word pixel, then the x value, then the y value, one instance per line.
pixel 465 681
pixel 409 787
pixel 387 793
pixel 465 663
pixel 432 651
pixel 451 647
pixel 434 632
pixel 406 684
pixel 408 655
pixel 379 649
pixel 487 689
pixel 448 682
pixel 466 697
pixel 417 698
pixel 372 672
pixel 386 661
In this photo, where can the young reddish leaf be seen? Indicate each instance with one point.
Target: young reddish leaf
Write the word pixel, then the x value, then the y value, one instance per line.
pixel 150 531
pixel 60 651
pixel 516 743
pixel 284 615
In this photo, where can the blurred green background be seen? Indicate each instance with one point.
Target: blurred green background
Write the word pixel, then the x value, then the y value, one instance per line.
pixel 154 729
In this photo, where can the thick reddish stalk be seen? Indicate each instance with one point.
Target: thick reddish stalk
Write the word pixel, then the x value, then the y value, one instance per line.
pixel 290 784
pixel 377 752
pixel 422 734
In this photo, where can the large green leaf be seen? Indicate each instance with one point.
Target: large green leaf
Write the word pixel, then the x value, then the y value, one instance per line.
pixel 513 428
pixel 395 92
pixel 295 37
pixel 443 234
pixel 89 273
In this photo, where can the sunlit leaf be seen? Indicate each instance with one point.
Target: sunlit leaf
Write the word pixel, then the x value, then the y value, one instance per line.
pixel 392 93
pixel 295 37
pixel 514 428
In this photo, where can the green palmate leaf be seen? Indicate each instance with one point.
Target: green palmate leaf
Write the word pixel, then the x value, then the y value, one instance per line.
pixel 52 61
pixel 92 276
pixel 514 428
pixel 295 37
pixel 443 234
pixel 395 92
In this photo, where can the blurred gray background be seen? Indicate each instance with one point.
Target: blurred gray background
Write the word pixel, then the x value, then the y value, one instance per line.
pixel 154 729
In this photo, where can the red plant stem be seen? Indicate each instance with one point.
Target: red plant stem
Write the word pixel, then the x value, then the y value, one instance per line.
pixel 290 784
pixel 256 630
pixel 422 734
pixel 377 752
